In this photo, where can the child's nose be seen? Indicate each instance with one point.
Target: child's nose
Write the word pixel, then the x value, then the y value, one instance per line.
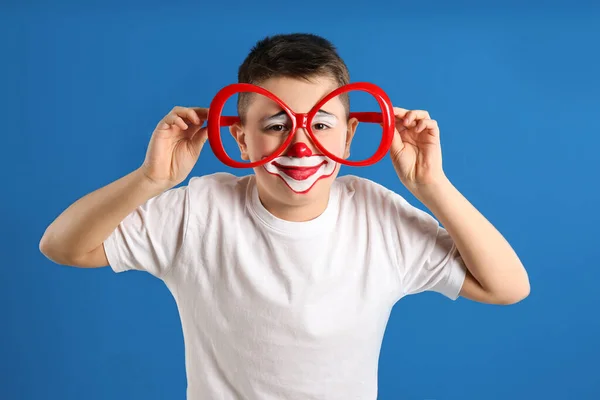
pixel 298 149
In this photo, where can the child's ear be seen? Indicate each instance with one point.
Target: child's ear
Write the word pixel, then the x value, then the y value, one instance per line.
pixel 351 130
pixel 237 131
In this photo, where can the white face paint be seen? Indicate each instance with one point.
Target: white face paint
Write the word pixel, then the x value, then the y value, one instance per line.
pixel 328 120
pixel 301 173
pixel 279 122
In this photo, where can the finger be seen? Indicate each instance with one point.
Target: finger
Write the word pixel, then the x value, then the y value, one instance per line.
pixel 170 118
pixel 163 125
pixel 186 114
pixel 400 112
pixel 414 116
pixel 167 122
pixel 177 120
pixel 182 116
pixel 400 126
pixel 195 115
pixel 191 115
pixel 426 124
pixel 191 130
pixel 397 145
pixel 198 140
pixel 201 112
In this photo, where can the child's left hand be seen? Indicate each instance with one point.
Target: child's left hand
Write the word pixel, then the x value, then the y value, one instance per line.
pixel 416 151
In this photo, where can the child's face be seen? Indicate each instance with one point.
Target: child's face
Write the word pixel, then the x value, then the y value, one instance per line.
pixel 302 173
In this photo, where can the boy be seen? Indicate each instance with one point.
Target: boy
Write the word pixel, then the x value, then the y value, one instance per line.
pixel 284 291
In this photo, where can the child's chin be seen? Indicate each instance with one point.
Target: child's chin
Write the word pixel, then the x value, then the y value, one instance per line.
pixel 299 194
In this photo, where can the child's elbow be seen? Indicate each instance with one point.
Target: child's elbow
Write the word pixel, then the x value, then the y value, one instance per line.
pixel 518 292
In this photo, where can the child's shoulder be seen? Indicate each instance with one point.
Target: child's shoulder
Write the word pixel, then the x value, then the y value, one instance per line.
pixel 356 187
pixel 362 195
pixel 217 179
pixel 220 179
pixel 355 182
pixel 219 186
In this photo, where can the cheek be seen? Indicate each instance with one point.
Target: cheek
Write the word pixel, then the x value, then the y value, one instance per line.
pixel 261 145
pixel 334 141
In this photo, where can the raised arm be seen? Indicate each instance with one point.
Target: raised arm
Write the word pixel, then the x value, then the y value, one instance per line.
pixel 495 273
pixel 76 237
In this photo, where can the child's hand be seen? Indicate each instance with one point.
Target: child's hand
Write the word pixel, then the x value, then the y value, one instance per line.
pixel 175 146
pixel 416 151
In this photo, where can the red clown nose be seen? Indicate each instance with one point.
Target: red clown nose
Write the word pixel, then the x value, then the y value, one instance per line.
pixel 298 149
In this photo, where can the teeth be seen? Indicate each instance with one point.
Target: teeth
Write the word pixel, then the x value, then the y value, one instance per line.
pixel 306 162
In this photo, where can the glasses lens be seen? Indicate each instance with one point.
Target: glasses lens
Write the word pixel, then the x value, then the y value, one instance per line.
pixel 253 127
pixel 349 125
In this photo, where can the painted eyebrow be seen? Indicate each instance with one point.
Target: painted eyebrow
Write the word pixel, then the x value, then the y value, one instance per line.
pixel 326 116
pixel 325 112
pixel 275 116
pixel 284 114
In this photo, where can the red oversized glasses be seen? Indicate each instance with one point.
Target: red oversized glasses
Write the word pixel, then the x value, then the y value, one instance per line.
pixel 384 118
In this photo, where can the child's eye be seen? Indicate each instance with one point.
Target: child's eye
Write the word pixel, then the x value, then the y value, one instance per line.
pixel 276 128
pixel 320 127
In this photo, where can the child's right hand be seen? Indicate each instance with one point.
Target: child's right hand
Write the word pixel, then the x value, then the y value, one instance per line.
pixel 77 236
pixel 175 146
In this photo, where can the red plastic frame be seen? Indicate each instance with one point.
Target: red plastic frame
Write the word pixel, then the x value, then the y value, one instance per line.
pixel 386 118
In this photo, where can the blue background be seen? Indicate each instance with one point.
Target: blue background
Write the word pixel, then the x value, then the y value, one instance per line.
pixel 515 90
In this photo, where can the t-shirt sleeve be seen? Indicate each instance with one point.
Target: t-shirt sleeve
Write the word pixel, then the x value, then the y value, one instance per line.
pixel 428 259
pixel 150 237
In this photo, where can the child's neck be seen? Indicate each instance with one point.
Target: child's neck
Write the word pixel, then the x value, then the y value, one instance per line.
pixel 294 213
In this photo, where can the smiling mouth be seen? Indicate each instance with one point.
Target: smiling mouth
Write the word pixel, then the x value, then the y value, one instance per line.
pixel 299 173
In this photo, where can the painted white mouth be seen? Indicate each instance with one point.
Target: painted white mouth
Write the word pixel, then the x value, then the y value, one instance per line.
pixel 327 166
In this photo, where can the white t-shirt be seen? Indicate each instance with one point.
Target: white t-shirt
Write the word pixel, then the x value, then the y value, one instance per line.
pixel 276 310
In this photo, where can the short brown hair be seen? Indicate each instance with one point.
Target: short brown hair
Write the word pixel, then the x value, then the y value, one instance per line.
pixel 295 55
